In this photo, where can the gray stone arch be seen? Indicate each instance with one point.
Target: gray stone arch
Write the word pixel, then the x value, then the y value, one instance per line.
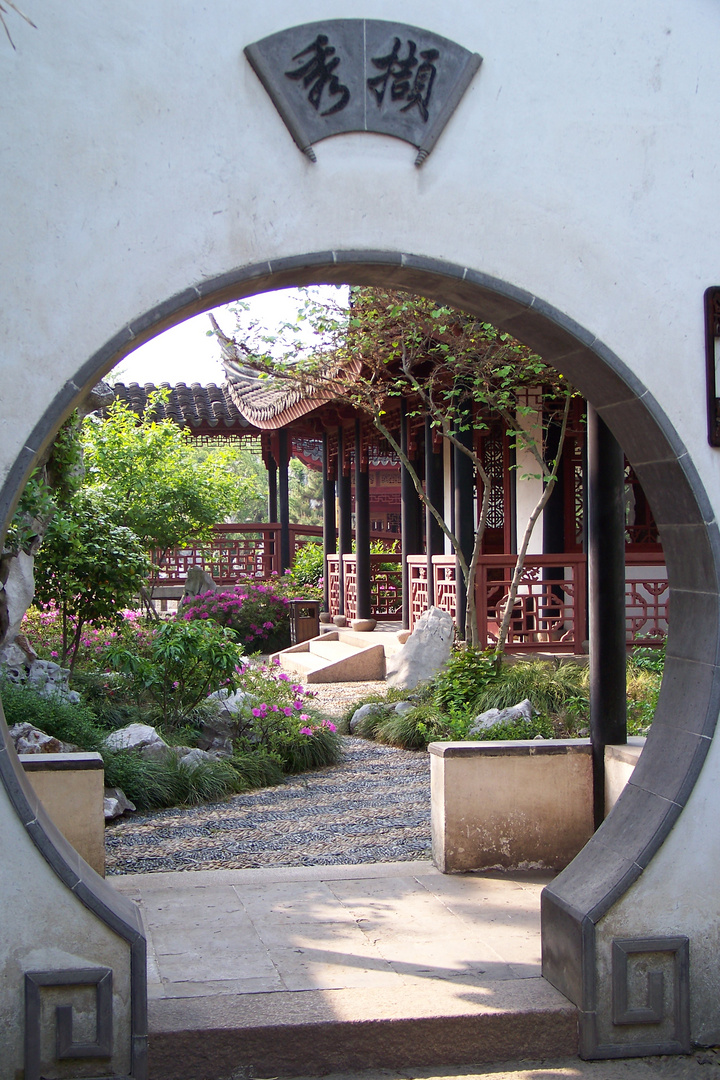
pixel 623 847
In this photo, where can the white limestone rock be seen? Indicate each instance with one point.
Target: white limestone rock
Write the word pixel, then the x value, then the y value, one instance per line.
pixel 116 803
pixel 198 581
pixel 142 737
pixel 425 651
pixel 31 740
pixel 524 710
pixel 19 590
pixel 365 710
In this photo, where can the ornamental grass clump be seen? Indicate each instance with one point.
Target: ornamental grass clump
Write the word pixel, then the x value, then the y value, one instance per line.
pixel 254 612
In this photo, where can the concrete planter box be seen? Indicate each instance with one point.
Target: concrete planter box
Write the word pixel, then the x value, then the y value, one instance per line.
pixel 522 804
pixel 71 787
pixel 619 764
pixel 518 804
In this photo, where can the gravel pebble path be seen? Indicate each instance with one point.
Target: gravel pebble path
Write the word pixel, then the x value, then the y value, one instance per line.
pixel 374 806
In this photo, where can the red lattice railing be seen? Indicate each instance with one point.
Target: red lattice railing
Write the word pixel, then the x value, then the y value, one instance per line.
pixel 550 609
pixel 235 551
pixel 385 586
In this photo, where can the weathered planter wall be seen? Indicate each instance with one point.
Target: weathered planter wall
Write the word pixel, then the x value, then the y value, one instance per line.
pixel 517 804
pixel 620 762
pixel 71 788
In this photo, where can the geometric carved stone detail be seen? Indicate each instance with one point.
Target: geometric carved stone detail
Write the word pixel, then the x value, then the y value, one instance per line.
pixel 653 1012
pixel 101 979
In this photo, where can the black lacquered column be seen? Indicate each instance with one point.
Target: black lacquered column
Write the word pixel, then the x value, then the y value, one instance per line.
pixel 606 596
pixel 329 526
pixel 464 500
pixel 344 490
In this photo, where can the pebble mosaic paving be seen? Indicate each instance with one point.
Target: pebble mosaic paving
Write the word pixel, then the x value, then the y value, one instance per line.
pixel 374 806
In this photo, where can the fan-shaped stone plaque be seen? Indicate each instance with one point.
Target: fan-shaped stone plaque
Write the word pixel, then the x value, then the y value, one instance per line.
pixel 344 75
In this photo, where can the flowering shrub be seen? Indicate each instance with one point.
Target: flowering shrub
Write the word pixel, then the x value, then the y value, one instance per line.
pixel 275 721
pixel 176 665
pixel 254 612
pixel 42 624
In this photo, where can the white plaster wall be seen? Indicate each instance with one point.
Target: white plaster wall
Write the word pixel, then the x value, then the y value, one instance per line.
pixel 678 894
pixel 140 155
pixel 529 483
pixel 46 928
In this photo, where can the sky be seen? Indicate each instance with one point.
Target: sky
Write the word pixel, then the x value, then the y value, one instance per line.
pixel 186 354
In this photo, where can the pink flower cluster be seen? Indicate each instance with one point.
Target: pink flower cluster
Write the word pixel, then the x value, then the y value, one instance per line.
pixel 252 611
pixel 311 730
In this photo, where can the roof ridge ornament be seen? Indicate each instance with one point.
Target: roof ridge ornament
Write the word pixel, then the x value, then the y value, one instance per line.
pixel 363 75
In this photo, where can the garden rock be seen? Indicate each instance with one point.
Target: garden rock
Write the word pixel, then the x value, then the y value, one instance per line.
pixel 230 702
pixel 142 737
pixel 194 757
pixel 16 658
pixel 31 740
pixel 48 679
pixel 18 591
pixel 217 734
pixel 116 803
pixel 198 581
pixel 403 707
pixel 425 651
pixel 360 714
pixel 522 711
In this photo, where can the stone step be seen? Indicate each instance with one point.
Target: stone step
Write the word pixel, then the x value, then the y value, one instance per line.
pixel 336 657
pixel 302 662
pixel 429 1023
pixel 332 650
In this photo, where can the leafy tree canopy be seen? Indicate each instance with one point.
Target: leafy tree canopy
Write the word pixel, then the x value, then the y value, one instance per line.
pixel 149 479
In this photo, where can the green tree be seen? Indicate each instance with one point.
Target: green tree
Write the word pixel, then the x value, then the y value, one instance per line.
pixel 147 474
pixel 90 567
pixel 305 494
pixel 445 364
pixel 249 477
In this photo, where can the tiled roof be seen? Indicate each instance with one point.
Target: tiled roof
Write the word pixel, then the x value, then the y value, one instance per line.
pixel 269 405
pixel 193 406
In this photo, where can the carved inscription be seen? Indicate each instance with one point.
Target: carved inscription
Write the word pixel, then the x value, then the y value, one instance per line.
pixel 363 75
pixel 406 83
pixel 317 72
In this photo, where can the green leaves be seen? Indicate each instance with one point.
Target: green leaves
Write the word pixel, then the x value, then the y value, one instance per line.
pixel 149 475
pixel 90 566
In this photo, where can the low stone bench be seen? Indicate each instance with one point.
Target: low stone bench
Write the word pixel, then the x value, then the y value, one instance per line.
pixel 518 804
pixel 71 788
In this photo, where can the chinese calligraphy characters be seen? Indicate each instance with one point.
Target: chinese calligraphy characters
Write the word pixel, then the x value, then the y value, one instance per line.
pixel 413 87
pixel 363 75
pixel 318 72
pixel 410 78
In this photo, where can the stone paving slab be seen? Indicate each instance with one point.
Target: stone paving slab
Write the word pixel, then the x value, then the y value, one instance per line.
pixel 315 968
pixel 331 928
pixel 702 1065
